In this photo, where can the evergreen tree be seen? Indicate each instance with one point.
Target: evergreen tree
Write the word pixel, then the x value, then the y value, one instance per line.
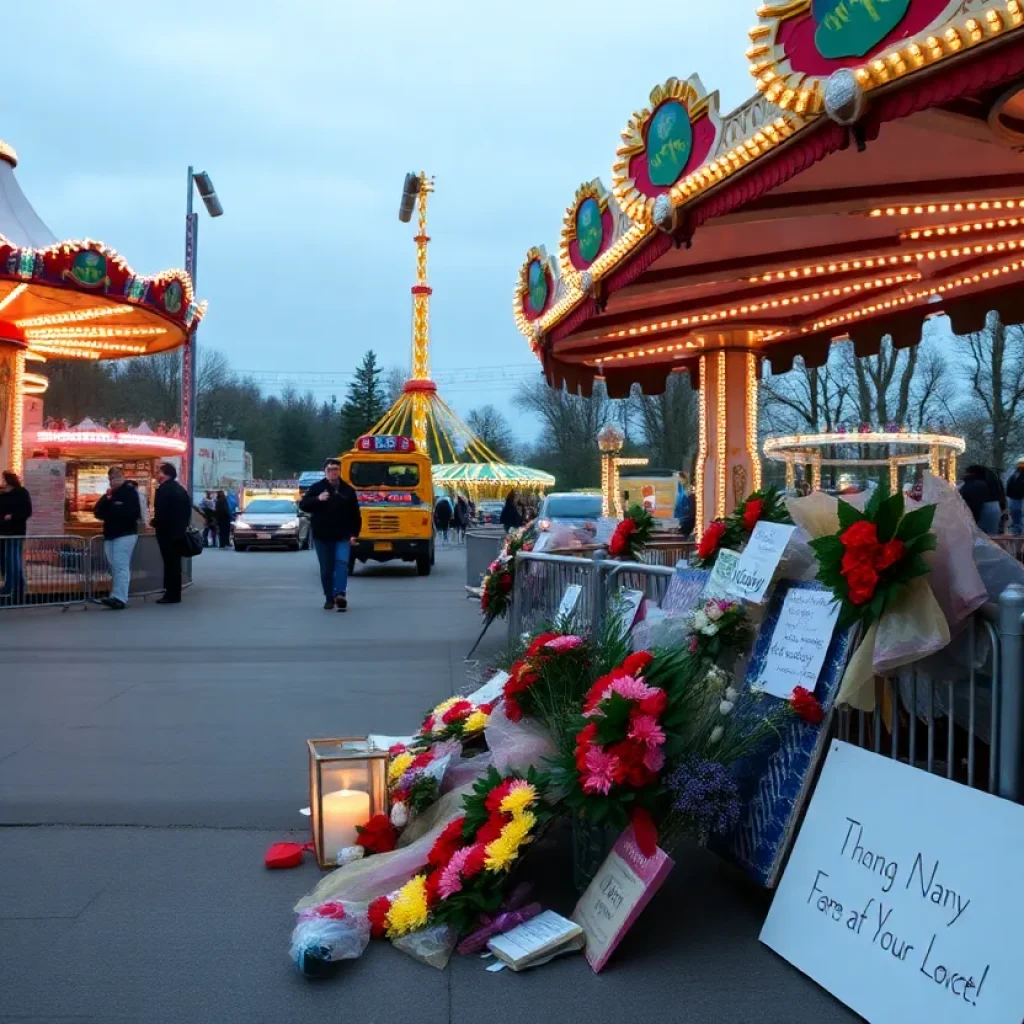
pixel 364 404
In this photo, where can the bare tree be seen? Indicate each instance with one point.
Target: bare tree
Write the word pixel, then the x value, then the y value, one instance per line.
pixel 490 426
pixel 669 423
pixel 394 381
pixel 810 398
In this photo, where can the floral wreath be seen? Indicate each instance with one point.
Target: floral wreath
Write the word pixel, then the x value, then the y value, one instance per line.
pixel 734 531
pixel 499 582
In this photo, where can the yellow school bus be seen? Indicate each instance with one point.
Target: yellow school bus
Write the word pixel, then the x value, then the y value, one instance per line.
pixel 396 497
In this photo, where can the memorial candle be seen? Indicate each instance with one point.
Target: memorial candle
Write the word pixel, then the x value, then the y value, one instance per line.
pixel 342 811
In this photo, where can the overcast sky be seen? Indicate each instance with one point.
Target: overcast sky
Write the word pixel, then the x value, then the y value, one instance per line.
pixel 307 116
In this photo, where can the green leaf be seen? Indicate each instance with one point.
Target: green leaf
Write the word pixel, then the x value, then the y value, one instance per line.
pixel 881 492
pixel 828 548
pixel 848 515
pixel 916 523
pixel 877 604
pixel 888 518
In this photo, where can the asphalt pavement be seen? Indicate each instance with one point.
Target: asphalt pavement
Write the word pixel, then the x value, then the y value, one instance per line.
pixel 149 757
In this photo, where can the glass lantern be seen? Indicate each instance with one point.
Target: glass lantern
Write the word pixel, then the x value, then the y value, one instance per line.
pixel 347 787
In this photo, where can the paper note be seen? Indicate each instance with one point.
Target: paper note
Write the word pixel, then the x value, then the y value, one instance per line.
pixel 759 561
pixel 799 642
pixel 901 893
pixel 720 583
pixel 570 599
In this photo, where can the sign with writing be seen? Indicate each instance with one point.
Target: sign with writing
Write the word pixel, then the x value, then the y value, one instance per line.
pixel 45 481
pixel 759 560
pixel 385 443
pixel 722 575
pixel 901 894
pixel 799 642
pixel 851 28
pixel 622 887
pixel 570 601
pixel 630 603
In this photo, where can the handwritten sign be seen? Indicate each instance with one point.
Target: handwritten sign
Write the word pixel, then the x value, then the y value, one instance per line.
pixel 759 560
pixel 799 642
pixel 622 887
pixel 722 575
pixel 569 603
pixel 901 894
pixel 629 607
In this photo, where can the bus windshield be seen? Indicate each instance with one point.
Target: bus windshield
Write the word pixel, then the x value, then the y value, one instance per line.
pixel 384 474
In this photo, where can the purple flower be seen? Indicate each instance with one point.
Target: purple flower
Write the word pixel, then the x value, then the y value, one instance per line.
pixel 705 797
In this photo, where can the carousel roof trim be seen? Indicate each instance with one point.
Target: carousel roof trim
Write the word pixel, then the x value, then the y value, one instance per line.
pixel 779 133
pixel 491 473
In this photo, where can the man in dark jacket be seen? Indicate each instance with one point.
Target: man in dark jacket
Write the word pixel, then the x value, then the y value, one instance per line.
pixel 1015 497
pixel 172 512
pixel 119 509
pixel 335 522
pixel 15 512
pixel 975 491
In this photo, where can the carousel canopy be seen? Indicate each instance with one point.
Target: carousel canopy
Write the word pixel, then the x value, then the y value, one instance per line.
pixel 874 180
pixel 475 474
pixel 81 299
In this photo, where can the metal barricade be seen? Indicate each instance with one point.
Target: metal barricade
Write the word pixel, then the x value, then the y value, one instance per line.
pixel 662 553
pixel 48 570
pixel 964 720
pixel 147 568
pixel 652 580
pixel 540 583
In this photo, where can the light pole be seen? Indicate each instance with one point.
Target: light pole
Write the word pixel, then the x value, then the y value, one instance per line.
pixel 189 354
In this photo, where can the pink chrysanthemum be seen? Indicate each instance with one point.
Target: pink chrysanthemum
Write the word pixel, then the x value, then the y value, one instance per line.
pixel 451 876
pixel 604 769
pixel 632 688
pixel 645 729
pixel 654 759
pixel 564 643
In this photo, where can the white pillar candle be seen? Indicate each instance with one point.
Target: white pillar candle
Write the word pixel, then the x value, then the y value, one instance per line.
pixel 342 811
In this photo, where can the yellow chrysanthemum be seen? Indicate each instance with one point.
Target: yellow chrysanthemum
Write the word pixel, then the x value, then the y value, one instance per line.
pixel 505 848
pixel 475 722
pixel 398 767
pixel 520 796
pixel 445 705
pixel 409 908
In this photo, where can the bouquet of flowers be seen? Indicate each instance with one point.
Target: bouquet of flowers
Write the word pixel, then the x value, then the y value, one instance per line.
pixel 734 531
pixel 632 534
pixel 470 859
pixel 549 680
pixel 500 580
pixel 715 626
pixel 453 719
pixel 875 554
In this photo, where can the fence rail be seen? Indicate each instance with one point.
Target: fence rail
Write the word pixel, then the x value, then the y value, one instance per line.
pixel 65 570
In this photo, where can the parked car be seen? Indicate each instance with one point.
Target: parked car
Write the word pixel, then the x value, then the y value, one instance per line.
pixel 579 511
pixel 271 523
pixel 488 513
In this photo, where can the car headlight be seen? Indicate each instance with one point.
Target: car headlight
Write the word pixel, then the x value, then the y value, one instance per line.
pixel 292 524
pixel 241 524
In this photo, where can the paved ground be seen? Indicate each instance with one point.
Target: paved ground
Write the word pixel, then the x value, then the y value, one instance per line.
pixel 148 758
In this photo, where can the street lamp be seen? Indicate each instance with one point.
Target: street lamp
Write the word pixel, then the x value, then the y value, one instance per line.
pixel 189 354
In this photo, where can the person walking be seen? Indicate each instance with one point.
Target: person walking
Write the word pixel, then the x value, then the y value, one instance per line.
pixel 335 522
pixel 461 519
pixel 222 512
pixel 1015 498
pixel 510 517
pixel 442 517
pixel 119 511
pixel 172 513
pixel 207 508
pixel 15 512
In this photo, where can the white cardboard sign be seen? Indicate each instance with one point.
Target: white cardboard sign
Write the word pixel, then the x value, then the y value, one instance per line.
pixel 759 560
pixel 570 599
pixel 723 572
pixel 799 642
pixel 903 893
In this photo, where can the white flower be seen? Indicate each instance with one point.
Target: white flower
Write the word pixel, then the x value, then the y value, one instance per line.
pixel 710 629
pixel 700 620
pixel 717 733
pixel 731 693
pixel 348 854
pixel 713 611
pixel 725 707
pixel 399 815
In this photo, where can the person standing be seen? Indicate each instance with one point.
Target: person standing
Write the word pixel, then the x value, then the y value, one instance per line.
pixel 442 517
pixel 335 522
pixel 207 508
pixel 461 518
pixel 222 512
pixel 1015 498
pixel 119 511
pixel 510 517
pixel 15 512
pixel 684 510
pixel 975 492
pixel 172 513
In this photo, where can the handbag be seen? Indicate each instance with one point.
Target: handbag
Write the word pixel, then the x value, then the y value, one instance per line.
pixel 192 543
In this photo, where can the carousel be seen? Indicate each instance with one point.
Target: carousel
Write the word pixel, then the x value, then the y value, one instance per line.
pixel 872 181
pixel 866 450
pixel 75 300
pixel 463 462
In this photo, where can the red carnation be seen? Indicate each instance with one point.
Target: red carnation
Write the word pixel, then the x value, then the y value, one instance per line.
pixel 655 704
pixel 711 539
pixel 421 760
pixel 636 663
pixel 862 581
pixel 644 831
pixel 513 712
pixel 400 796
pixel 505 583
pixel 378 835
pixel 752 512
pixel 377 913
pixel 493 799
pixel 428 724
pixel 432 887
pixel 398 748
pixel 859 558
pixel 446 844
pixel 491 829
pixel 475 861
pixel 861 534
pixel 333 909
pixel 463 709
pixel 889 554
pixel 487 708
pixel 539 641
pixel 806 705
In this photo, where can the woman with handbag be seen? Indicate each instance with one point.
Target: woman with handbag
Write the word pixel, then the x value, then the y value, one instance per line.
pixel 172 513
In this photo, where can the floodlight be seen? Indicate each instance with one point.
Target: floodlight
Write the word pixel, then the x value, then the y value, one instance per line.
pixel 410 190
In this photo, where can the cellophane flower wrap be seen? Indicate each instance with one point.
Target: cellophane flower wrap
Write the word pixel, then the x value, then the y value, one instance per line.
pixel 734 531
pixel 499 582
pixel 470 860
pixel 631 534
pixel 875 555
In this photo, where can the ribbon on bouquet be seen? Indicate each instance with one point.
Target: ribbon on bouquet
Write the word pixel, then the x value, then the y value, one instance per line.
pixel 513 912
